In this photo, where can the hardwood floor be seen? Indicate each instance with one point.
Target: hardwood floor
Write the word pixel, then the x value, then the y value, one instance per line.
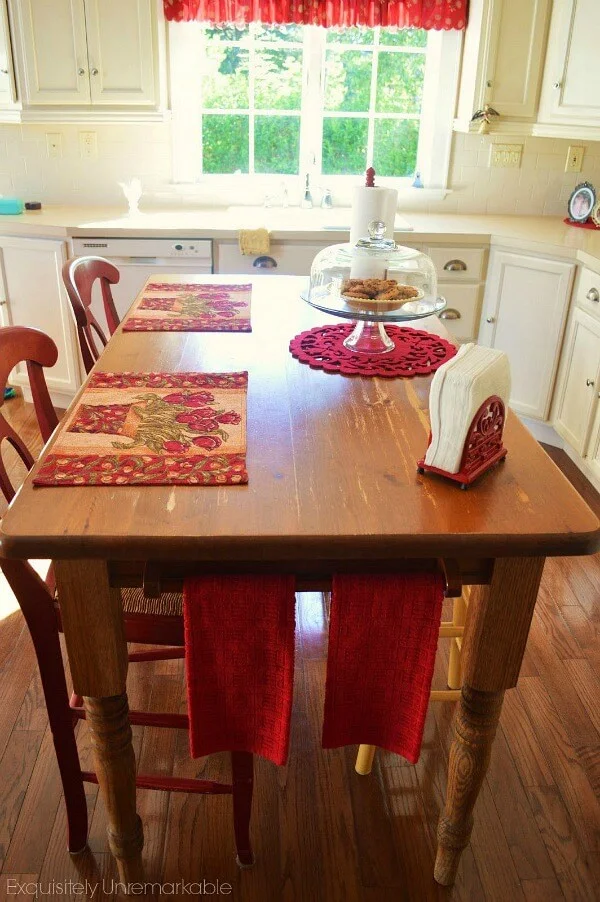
pixel 322 833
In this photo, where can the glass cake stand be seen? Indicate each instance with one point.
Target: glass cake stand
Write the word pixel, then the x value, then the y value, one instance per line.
pixel 369 335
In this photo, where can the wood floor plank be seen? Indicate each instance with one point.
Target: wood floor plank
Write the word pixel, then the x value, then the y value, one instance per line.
pixel 16 768
pixel 581 802
pixel 527 751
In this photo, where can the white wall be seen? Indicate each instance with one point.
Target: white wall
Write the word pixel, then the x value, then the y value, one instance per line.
pixel 540 186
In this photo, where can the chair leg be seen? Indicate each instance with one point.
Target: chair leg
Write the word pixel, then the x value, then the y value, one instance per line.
pixel 242 767
pixel 459 614
pixel 39 614
pixel 364 759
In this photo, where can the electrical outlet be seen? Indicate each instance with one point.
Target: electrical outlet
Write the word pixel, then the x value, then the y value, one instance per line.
pixel 88 145
pixel 506 156
pixel 574 158
pixel 54 144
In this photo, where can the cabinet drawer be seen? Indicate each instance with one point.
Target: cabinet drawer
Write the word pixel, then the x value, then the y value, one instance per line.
pixel 464 300
pixel 291 259
pixel 457 264
pixel 587 293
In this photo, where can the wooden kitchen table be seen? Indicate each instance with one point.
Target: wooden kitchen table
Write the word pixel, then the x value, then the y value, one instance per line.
pixel 333 486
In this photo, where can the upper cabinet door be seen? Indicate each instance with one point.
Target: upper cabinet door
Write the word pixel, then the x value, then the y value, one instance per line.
pixel 516 56
pixel 121 42
pixel 54 51
pixel 7 86
pixel 571 89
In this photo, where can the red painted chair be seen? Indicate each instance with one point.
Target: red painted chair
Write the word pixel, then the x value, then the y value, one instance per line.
pixel 157 621
pixel 79 275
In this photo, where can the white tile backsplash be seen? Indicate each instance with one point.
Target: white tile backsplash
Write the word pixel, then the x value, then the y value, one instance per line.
pixel 539 186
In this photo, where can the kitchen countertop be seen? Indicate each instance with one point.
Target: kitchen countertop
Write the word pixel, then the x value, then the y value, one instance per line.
pixel 541 234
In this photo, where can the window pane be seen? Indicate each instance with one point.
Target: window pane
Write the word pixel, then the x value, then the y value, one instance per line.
pixel 400 82
pixel 406 37
pixel 348 81
pixel 344 146
pixel 226 32
pixel 225 143
pixel 279 33
pixel 278 79
pixel 225 84
pixel 277 144
pixel 354 35
pixel 395 146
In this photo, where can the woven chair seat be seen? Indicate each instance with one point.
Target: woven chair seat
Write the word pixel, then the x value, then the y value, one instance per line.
pixel 168 604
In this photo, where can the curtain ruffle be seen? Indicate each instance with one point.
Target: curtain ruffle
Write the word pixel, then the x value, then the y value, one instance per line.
pixel 427 14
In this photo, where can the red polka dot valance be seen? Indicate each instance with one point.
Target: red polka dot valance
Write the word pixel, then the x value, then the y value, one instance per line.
pixel 427 14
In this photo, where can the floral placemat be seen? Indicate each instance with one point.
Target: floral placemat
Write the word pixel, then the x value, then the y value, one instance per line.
pixel 190 307
pixel 153 429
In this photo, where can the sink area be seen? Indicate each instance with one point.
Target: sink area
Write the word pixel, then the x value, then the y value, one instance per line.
pixel 292 217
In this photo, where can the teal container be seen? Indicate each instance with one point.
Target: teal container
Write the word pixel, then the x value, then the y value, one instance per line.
pixel 10 205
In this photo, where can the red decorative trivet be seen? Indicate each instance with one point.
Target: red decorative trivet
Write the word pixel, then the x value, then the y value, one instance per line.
pixel 483 445
pixel 416 353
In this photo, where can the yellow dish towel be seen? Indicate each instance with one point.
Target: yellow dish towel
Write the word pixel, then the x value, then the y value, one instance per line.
pixel 254 242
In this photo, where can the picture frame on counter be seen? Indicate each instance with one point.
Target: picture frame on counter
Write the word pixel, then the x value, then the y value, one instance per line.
pixel 582 202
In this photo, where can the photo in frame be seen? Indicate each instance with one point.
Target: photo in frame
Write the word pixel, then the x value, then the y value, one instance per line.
pixel 582 202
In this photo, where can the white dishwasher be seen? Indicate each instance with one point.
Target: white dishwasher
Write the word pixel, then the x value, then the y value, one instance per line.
pixel 138 258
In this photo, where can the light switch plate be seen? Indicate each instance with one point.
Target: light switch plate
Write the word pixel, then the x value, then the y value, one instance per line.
pixel 88 145
pixel 54 144
pixel 574 158
pixel 506 156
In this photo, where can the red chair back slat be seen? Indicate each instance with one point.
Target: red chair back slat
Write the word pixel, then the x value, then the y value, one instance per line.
pixel 20 344
pixel 79 275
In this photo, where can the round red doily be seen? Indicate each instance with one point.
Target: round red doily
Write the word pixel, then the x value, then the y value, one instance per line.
pixel 417 353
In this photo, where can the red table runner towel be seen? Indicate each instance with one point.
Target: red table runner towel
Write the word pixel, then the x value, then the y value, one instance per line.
pixel 383 638
pixel 239 653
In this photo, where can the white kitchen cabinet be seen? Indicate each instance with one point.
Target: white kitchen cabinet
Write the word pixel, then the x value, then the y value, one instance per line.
pixel 31 269
pixel 571 84
pixel 502 60
pixel 594 450
pixel 578 390
pixel 8 94
pixel 524 314
pixel 87 52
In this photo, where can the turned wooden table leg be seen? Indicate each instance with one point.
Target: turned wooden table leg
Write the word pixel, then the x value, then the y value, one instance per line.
pixel 493 647
pixel 95 638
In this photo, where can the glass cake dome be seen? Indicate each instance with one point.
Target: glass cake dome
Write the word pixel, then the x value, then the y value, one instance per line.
pixel 374 281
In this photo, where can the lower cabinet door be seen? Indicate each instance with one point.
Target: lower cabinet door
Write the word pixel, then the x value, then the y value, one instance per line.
pixel 579 385
pixel 524 314
pixel 461 316
pixel 35 297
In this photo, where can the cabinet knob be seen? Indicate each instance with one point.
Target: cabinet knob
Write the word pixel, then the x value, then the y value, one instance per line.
pixel 3 303
pixel 589 382
pixel 265 263
pixel 450 313
pixel 94 71
pixel 557 85
pixel 455 266
pixel 3 71
pixel 81 71
pixel 490 319
pixel 593 295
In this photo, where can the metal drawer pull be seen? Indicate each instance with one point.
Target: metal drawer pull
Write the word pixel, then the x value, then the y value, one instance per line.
pixel 455 266
pixel 81 71
pixel 94 72
pixel 490 319
pixel 450 313
pixel 593 295
pixel 3 303
pixel 265 263
pixel 589 382
pixel 4 71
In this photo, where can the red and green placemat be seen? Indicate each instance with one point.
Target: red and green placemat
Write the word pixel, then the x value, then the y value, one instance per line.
pixel 153 429
pixel 190 307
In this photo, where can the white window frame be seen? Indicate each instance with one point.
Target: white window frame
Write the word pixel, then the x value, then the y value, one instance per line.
pixel 435 135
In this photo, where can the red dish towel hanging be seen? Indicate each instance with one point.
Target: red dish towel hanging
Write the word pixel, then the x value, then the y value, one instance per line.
pixel 383 638
pixel 239 652
pixel 427 14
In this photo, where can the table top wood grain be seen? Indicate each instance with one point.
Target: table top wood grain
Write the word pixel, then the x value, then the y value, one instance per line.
pixel 332 469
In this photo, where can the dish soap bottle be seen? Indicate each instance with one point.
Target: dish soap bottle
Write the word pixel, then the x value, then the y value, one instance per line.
pixel 307 200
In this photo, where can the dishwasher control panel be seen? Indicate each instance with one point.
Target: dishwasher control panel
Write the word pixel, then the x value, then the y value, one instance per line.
pixel 162 248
